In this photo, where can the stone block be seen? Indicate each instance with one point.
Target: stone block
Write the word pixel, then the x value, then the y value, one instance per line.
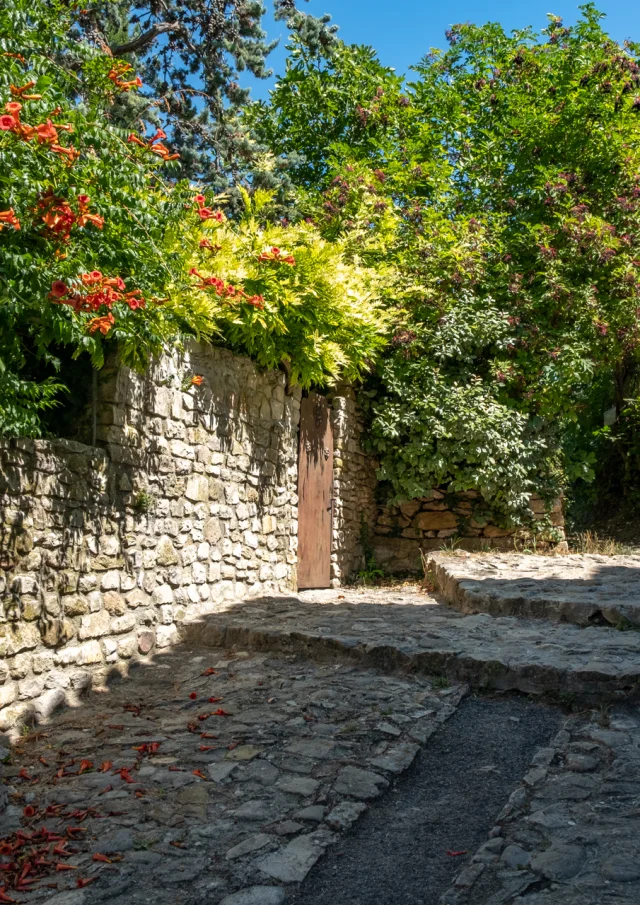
pixel 162 594
pixel 197 489
pixel 91 652
pixel 146 640
pixel 8 693
pixel 137 598
pixel 269 524
pixel 47 703
pixel 122 624
pixel 94 626
pixel 166 635
pixel 127 647
pixel 166 554
pixel 115 603
pixel 435 521
pixel 495 531
pixel 16 637
pixel 110 581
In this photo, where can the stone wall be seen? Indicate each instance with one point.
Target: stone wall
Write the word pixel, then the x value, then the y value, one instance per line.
pixel 191 501
pixel 402 532
pixel 354 487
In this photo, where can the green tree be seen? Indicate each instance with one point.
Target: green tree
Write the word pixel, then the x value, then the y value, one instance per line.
pixel 508 194
pixel 101 250
pixel 190 55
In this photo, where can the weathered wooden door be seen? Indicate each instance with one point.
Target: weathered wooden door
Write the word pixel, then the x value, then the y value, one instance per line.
pixel 315 484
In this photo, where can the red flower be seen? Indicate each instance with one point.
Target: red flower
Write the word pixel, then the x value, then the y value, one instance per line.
pixel 68 152
pixel 96 219
pixel 14 108
pixel 83 199
pixel 59 289
pixel 47 132
pixel 103 324
pixel 205 213
pixel 8 218
pixel 7 123
pixel 199 199
pixel 90 278
pixel 196 381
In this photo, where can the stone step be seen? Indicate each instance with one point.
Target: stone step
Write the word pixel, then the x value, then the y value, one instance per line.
pixel 406 629
pixel 581 589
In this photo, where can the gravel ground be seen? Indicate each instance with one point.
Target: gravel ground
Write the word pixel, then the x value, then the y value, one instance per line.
pixel 447 801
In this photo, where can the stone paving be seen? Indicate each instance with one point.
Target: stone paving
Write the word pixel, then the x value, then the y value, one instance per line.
pixel 583 589
pixel 208 775
pixel 405 628
pixel 570 834
pixel 223 768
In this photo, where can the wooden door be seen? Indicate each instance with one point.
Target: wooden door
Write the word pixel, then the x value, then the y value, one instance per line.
pixel 315 484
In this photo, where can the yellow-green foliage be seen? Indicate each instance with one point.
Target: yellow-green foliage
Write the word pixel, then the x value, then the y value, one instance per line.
pixel 320 316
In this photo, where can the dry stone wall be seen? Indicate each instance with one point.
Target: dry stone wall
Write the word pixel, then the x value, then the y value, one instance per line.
pixel 354 488
pixel 402 533
pixel 190 502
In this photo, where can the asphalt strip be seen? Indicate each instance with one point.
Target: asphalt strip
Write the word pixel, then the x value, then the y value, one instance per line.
pixel 446 802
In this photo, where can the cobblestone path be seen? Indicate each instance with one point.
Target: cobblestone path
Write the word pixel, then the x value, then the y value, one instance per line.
pixel 208 773
pixel 221 771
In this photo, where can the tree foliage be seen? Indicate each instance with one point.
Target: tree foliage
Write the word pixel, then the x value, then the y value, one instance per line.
pixel 98 245
pixel 502 182
pixel 190 55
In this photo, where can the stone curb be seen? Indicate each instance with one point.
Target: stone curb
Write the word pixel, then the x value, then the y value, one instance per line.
pixel 595 681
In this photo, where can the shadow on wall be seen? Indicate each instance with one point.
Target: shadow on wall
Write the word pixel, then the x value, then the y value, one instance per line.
pixel 156 420
pixel 104 552
pixel 60 507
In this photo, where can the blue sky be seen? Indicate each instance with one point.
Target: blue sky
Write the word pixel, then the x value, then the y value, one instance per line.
pixel 402 31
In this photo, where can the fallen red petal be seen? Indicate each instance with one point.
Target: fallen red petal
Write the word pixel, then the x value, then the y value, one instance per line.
pixel 455 854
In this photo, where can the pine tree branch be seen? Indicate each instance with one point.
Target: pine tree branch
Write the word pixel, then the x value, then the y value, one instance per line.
pixel 145 39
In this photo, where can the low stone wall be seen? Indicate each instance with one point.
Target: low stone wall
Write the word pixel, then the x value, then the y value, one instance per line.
pixel 103 552
pixel 354 488
pixel 401 533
